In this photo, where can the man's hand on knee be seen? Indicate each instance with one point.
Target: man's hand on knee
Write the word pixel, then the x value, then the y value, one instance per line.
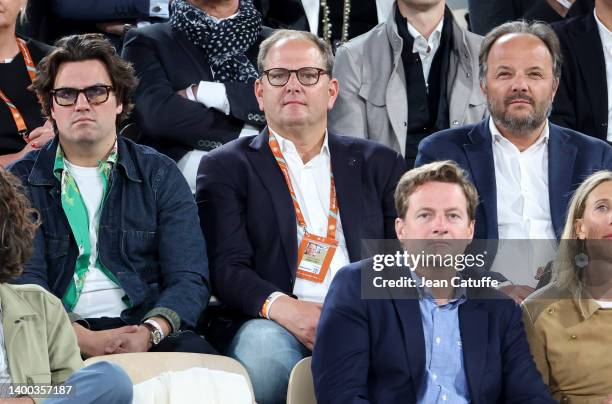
pixel 299 317
pixel 94 343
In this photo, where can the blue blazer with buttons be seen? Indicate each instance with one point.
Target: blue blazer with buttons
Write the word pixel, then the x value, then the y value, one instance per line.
pixel 572 157
pixel 248 218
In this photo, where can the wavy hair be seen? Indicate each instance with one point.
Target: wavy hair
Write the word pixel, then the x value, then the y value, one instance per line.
pixel 18 223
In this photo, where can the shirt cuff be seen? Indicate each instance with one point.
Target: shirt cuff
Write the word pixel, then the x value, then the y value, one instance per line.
pixel 170 315
pixel 189 92
pixel 213 95
pixel 265 310
pixel 159 9
pixel 75 318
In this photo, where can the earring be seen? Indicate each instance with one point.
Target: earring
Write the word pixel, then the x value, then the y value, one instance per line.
pixel 581 259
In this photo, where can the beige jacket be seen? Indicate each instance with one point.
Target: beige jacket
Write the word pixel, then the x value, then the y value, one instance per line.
pixel 40 343
pixel 570 340
pixel 372 101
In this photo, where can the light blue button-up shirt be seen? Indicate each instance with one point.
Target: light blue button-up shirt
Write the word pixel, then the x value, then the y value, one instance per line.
pixel 445 380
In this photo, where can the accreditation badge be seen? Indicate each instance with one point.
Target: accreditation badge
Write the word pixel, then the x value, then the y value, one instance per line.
pixel 314 257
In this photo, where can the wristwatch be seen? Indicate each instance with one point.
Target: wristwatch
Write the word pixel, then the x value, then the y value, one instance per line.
pixel 157 333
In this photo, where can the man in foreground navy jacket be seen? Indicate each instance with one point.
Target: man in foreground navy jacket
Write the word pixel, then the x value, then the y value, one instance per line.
pixel 452 343
pixel 116 216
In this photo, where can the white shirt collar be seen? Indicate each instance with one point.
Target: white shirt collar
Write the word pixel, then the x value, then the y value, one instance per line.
pixel 218 20
pixel 421 44
pixel 496 135
pixel 287 145
pixel 604 33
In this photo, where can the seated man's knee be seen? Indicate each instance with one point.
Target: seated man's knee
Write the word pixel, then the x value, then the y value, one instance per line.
pixel 115 382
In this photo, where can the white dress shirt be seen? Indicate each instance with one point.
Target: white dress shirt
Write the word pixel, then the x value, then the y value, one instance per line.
pixel 311 182
pixel 426 48
pixel 606 42
pixel 523 207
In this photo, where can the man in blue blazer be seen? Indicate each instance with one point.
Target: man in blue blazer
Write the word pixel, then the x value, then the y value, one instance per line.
pixel 379 343
pixel 525 168
pixel 270 217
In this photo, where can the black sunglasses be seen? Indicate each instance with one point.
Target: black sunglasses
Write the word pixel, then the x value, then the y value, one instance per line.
pixel 95 95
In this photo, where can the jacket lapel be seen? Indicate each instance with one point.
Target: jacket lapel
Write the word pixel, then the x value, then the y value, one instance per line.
pixel 267 169
pixel 474 325
pixel 193 52
pixel 346 166
pixel 479 154
pixel 395 95
pixel 592 64
pixel 561 159
pixel 409 315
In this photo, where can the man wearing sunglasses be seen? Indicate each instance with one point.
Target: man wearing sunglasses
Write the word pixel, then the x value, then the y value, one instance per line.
pixel 283 211
pixel 119 242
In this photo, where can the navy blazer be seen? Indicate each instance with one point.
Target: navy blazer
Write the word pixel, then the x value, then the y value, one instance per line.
pixel 373 350
pixel 572 157
pixel 248 218
pixel 581 102
pixel 165 62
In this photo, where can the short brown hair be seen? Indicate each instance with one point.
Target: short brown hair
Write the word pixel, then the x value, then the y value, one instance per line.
pixel 78 48
pixel 439 171
pixel 18 222
pixel 325 49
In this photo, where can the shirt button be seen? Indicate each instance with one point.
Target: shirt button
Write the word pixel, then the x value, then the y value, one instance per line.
pixel 574 336
pixel 438 339
pixel 156 9
pixel 434 376
pixel 444 397
pixel 455 123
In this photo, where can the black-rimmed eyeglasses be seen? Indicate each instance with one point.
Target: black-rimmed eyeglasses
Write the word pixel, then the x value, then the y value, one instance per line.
pixel 308 76
pixel 95 95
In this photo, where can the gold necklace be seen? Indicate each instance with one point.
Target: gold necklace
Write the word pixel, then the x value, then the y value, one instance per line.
pixel 327 32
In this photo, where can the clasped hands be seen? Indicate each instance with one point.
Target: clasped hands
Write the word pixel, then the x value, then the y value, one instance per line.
pixel 129 338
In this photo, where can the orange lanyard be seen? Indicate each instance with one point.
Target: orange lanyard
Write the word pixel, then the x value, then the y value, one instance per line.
pixel 332 218
pixel 27 58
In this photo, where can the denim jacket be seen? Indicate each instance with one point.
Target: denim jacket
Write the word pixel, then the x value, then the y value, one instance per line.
pixel 149 235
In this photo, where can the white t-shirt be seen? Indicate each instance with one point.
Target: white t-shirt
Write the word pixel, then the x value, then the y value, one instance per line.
pixel 100 296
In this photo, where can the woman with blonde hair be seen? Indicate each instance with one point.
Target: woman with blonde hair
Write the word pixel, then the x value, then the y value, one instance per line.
pixel 22 126
pixel 569 322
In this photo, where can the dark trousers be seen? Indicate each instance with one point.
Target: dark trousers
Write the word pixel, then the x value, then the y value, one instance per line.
pixel 179 341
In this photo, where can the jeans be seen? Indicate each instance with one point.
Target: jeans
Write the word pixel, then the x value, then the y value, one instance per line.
pixel 268 352
pixel 100 383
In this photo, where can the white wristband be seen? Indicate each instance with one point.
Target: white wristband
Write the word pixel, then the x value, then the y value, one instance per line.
pixel 157 326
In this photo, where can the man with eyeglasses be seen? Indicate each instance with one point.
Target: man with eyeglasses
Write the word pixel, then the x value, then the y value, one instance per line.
pixel 119 242
pixel 283 211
